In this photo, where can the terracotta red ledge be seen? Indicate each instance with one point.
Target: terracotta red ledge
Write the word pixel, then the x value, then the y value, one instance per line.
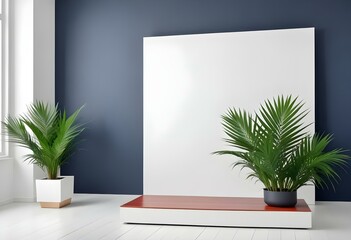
pixel 210 203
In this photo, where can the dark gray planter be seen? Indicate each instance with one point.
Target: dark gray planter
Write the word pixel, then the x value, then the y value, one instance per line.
pixel 280 199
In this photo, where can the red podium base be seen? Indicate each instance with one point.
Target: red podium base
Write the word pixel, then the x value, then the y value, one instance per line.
pixel 214 211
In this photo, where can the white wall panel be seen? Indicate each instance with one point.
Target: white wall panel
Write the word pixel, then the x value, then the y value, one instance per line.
pixel 31 77
pixel 191 80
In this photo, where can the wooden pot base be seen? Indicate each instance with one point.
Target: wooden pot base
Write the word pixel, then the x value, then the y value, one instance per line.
pixel 55 204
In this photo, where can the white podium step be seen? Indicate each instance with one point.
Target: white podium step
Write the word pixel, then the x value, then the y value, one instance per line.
pixel 214 211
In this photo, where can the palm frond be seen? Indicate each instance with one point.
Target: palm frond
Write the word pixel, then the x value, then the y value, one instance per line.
pixel 47 132
pixel 275 145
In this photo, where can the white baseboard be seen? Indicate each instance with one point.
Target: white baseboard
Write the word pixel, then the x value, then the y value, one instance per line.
pixel 27 200
pixel 5 201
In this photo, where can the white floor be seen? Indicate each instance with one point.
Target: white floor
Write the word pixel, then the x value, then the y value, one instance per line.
pixel 97 217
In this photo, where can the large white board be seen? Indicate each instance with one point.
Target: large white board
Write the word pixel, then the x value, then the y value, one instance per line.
pixel 191 80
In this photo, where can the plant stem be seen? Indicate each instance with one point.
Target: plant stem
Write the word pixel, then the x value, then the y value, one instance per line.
pixel 52 174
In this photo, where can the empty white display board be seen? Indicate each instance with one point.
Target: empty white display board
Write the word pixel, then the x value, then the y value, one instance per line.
pixel 191 80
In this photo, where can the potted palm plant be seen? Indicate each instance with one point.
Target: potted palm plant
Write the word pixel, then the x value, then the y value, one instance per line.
pixel 275 145
pixel 50 136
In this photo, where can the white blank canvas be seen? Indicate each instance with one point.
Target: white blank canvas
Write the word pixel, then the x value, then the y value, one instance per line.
pixel 191 80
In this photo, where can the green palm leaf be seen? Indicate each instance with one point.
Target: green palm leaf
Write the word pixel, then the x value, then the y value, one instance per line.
pixel 276 147
pixel 47 132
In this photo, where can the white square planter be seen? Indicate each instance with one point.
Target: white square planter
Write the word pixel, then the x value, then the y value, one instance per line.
pixel 55 193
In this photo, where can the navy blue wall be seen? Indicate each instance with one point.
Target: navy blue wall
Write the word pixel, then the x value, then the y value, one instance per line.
pixel 99 63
